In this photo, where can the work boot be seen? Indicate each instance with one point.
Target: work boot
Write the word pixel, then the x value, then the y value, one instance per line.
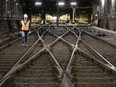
pixel 23 45
pixel 26 45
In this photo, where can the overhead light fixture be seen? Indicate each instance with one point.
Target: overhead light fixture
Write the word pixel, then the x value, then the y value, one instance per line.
pixel 38 3
pixel 73 3
pixel 61 3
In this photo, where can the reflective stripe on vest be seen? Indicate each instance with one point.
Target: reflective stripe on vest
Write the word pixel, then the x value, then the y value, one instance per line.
pixel 25 27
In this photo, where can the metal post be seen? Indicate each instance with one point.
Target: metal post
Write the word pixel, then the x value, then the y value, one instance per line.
pixel 6 6
pixel 12 10
pixel 113 7
pixel 106 13
pixel 57 15
pixel 73 18
pixel 73 15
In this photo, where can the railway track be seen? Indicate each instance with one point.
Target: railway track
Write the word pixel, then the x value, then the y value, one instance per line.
pixel 6 39
pixel 108 36
pixel 89 74
pixel 61 50
pixel 38 73
pixel 61 59
pixel 12 54
pixel 103 48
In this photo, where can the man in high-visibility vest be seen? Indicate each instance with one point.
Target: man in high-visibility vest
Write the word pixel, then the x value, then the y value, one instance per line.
pixel 25 30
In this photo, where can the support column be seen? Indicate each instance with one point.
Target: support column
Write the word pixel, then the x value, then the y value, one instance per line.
pixel 57 16
pixel 103 13
pixel 112 21
pixel 73 16
pixel 113 7
pixel 103 7
pixel 94 17
pixel 43 17
pixel 6 7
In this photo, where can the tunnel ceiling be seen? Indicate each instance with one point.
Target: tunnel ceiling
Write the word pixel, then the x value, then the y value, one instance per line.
pixel 49 6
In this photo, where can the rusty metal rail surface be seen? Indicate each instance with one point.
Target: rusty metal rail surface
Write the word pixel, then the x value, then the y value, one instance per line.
pixel 96 58
pixel 21 63
pixel 108 50
pixel 9 44
pixel 11 55
pixel 106 37
pixel 12 40
pixel 74 70
pixel 7 38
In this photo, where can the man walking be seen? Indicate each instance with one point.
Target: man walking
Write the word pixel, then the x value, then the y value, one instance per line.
pixel 25 30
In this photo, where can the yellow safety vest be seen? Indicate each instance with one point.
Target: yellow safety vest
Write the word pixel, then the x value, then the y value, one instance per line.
pixel 25 27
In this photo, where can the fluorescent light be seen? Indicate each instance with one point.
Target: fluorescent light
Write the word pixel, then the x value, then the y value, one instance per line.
pixel 73 3
pixel 61 3
pixel 38 3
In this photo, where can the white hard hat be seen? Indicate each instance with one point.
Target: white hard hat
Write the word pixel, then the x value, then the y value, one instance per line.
pixel 25 16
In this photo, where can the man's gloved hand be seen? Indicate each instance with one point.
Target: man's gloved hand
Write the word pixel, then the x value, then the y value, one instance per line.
pixel 29 32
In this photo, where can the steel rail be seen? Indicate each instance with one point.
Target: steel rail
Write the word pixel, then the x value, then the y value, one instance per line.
pixel 17 68
pixel 57 65
pixel 74 26
pixel 65 81
pixel 106 64
pixel 72 30
pixel 60 38
pixel 100 39
pixel 10 43
pixel 99 57
pixel 8 38
pixel 21 59
pixel 74 49
pixel 47 48
pixel 68 68
pixel 103 30
pixel 20 66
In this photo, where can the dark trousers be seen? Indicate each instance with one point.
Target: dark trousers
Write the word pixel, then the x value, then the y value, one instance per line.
pixel 25 36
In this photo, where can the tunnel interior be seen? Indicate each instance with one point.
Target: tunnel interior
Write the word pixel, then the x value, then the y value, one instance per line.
pixel 95 12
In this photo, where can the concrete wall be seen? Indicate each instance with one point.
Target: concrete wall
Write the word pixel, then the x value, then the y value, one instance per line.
pixel 106 14
pixel 10 13
pixel 112 24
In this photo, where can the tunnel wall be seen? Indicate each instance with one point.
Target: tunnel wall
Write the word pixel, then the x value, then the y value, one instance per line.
pixel 10 14
pixel 112 24
pixel 106 13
